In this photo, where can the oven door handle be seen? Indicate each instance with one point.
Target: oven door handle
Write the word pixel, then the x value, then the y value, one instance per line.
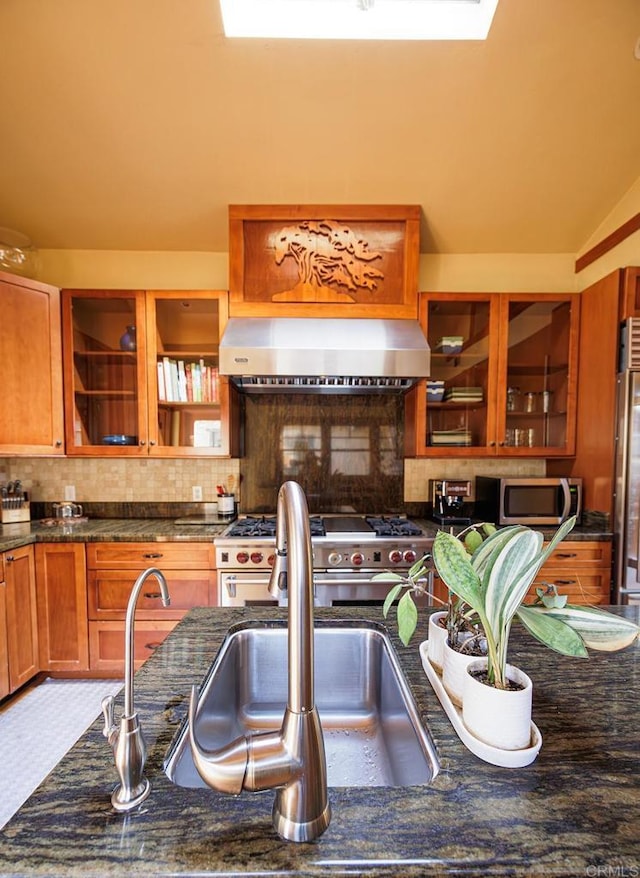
pixel 354 579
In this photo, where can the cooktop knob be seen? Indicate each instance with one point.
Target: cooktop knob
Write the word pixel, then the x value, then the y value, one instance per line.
pixel 334 558
pixel 357 559
pixel 242 557
pixel 395 556
pixel 256 557
pixel 410 556
pixel 271 559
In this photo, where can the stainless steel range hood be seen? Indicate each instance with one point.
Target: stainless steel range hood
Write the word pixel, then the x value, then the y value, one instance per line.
pixel 307 355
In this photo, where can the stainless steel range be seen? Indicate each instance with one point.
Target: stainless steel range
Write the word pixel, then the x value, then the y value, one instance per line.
pixel 347 551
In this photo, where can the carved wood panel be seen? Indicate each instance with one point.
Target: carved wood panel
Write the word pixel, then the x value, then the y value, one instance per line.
pixel 324 260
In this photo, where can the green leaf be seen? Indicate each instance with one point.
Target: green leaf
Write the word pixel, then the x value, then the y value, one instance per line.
pixel 552 632
pixel 390 598
pixel 599 629
pixel 455 570
pixel 407 618
pixel 472 540
pixel 509 578
pixel 418 569
pixel 388 576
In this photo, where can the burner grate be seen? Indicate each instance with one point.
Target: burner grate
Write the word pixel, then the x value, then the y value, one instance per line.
pixel 393 527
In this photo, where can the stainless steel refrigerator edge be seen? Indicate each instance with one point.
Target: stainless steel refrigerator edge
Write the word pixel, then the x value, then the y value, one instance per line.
pixel 627 474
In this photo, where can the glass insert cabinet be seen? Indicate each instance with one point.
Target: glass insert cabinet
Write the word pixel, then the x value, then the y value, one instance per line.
pixel 141 373
pixel 503 376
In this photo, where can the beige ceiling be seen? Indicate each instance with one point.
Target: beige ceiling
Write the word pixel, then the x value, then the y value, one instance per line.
pixel 132 124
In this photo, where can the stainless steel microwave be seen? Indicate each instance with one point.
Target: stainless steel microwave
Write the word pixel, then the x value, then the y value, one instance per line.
pixel 533 501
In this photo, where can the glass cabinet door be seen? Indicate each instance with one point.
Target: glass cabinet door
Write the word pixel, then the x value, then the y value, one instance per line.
pixel 188 408
pixel 105 393
pixel 459 409
pixel 538 409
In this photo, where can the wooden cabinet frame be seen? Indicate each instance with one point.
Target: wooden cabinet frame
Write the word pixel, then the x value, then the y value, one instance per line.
pixel 147 405
pixel 416 405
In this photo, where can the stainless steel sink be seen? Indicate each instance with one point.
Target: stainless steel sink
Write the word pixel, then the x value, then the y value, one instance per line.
pixel 372 730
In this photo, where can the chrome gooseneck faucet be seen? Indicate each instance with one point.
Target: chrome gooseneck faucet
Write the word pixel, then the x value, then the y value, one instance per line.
pixel 127 741
pixel 291 760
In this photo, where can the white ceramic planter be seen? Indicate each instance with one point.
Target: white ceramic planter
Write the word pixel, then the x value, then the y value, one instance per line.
pixel 499 717
pixel 454 671
pixel 437 638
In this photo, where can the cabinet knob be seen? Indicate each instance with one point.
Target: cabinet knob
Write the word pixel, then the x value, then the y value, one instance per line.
pixel 58 443
pixel 9 558
pixel 152 442
pixel 142 442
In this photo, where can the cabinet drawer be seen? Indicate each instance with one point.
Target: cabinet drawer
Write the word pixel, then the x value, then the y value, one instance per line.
pixel 109 592
pixel 571 554
pixel 139 556
pixel 581 587
pixel 106 643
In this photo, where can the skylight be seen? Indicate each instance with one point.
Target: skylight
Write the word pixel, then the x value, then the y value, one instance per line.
pixel 359 19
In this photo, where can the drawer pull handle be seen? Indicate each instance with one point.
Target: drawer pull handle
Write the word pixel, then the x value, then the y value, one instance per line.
pixel 151 646
pixel 152 594
pixel 152 555
pixel 567 555
pixel 566 581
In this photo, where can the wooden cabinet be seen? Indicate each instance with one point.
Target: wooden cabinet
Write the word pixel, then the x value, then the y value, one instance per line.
pixel 112 569
pixel 63 628
pixel 503 376
pixel 31 409
pixel 21 616
pixel 581 570
pixel 141 374
pixel 604 305
pixel 4 645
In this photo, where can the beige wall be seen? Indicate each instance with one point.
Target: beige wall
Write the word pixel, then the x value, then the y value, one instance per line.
pixel 469 272
pixel 626 253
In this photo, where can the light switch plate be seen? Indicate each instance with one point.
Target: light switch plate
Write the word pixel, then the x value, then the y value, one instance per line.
pixel 69 492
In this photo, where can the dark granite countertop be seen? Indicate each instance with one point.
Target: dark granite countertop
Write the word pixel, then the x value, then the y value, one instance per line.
pixel 12 536
pixel 574 811
pixel 106 530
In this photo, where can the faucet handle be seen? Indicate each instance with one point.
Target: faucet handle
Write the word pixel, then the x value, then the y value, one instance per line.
pixel 108 703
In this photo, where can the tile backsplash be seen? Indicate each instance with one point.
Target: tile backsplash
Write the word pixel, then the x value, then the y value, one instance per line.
pixel 122 480
pixel 117 479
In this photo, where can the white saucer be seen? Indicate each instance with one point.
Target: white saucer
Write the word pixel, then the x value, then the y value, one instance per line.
pixel 494 755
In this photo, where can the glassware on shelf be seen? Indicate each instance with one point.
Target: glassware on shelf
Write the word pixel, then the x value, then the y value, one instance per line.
pixel 513 399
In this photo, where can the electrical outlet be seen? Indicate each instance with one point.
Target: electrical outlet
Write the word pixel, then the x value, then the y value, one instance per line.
pixel 69 492
pixel 196 493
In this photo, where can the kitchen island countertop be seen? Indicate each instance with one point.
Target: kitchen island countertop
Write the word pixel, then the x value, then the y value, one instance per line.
pixel 574 811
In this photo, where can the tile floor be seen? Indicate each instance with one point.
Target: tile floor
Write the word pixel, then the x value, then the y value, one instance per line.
pixel 37 727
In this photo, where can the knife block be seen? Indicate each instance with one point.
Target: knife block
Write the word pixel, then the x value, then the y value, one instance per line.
pixel 11 516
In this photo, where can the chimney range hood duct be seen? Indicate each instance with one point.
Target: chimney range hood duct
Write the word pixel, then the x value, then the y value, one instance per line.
pixel 307 355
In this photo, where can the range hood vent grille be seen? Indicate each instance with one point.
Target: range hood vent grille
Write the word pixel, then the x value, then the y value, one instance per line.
pixel 306 355
pixel 306 384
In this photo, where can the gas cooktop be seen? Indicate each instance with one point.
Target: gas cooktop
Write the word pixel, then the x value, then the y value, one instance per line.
pixel 357 526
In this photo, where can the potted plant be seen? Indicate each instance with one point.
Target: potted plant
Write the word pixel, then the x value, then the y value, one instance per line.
pixel 493 582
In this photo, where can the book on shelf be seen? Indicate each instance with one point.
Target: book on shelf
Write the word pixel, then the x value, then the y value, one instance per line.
pixel 162 393
pixel 180 381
